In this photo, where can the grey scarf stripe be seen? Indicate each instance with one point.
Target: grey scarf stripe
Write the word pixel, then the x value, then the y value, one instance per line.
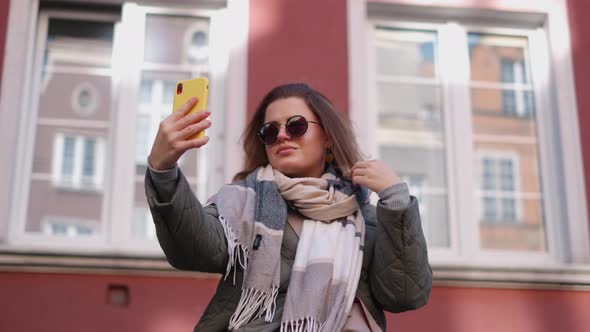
pixel 253 213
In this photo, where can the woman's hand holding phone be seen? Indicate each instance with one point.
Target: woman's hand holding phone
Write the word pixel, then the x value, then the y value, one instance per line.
pixel 174 135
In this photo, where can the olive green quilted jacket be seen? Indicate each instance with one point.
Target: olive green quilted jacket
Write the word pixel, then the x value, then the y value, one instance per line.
pixel 395 276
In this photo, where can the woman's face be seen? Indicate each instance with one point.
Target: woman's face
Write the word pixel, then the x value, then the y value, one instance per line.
pixel 301 156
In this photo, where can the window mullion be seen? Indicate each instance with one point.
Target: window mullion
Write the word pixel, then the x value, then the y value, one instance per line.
pixel 27 133
pixel 99 164
pixel 463 205
pixel 78 161
pixel 558 241
pixel 211 176
pixel 128 56
pixel 372 149
pixel 57 161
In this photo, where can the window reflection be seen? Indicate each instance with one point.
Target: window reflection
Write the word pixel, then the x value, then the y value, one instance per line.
pixel 176 48
pixel 505 134
pixel 65 193
pixel 410 121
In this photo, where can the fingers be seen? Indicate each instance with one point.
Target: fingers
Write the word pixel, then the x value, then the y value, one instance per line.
pixel 188 120
pixel 192 144
pixel 172 139
pixel 360 171
pixel 374 174
pixel 366 172
pixel 359 180
pixel 187 106
pixel 193 129
pixel 363 164
pixel 181 112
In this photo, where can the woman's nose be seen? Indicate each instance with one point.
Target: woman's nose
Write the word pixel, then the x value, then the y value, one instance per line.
pixel 283 133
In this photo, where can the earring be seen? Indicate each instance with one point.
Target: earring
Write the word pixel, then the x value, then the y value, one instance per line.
pixel 329 156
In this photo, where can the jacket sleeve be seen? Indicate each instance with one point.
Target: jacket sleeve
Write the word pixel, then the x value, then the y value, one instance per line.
pixel 400 276
pixel 190 235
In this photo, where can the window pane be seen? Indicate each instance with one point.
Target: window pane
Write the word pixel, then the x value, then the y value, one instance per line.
pixel 156 106
pixel 59 229
pixel 505 133
pixel 498 58
pixel 176 40
pixel 78 43
pixel 176 48
pixel 410 127
pixel 509 209
pixel 403 105
pixel 142 226
pixel 497 102
pixel 406 52
pixel 146 91
pixel 67 168
pixel 142 141
pixel 508 232
pixel 169 87
pixel 490 209
pixel 89 157
pixel 72 128
pixel 67 228
pixel 507 175
pixel 149 116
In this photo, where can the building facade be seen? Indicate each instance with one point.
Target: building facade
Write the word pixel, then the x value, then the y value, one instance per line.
pixel 478 105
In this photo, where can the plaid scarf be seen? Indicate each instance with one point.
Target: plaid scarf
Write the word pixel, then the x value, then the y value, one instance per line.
pixel 329 255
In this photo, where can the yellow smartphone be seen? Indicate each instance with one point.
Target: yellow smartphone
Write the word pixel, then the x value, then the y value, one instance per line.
pixel 185 90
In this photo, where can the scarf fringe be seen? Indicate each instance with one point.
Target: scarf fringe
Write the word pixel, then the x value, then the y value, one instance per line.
pixel 238 253
pixel 254 303
pixel 307 324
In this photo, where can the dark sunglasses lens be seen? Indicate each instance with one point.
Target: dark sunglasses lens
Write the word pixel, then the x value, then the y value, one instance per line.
pixel 269 133
pixel 296 126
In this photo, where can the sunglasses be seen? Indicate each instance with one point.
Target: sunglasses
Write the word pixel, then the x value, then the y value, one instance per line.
pixel 296 126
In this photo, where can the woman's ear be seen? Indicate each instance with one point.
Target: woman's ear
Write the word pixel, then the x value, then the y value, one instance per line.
pixel 328 143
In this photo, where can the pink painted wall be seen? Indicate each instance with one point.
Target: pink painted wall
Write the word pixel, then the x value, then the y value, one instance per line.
pixel 453 309
pixel 72 302
pixel 578 11
pixel 298 41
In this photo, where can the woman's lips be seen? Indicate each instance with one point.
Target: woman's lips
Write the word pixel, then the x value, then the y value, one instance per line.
pixel 284 151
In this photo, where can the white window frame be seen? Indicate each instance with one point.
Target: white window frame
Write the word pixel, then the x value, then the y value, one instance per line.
pixel 146 218
pixel 134 18
pixel 78 182
pixel 229 26
pixel 552 63
pixel 70 224
pixel 519 93
pixel 517 195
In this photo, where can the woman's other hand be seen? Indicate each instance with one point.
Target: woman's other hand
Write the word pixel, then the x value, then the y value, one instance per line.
pixel 173 137
pixel 374 174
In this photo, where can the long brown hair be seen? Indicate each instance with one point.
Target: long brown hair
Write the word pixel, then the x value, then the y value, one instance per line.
pixel 345 148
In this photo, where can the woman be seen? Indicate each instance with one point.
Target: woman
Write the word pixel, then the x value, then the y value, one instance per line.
pixel 300 247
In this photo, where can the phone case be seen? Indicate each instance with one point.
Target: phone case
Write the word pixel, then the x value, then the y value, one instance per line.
pixel 185 90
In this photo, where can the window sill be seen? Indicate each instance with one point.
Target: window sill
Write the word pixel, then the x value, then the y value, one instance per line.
pixel 88 189
pixel 11 261
pixel 572 277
